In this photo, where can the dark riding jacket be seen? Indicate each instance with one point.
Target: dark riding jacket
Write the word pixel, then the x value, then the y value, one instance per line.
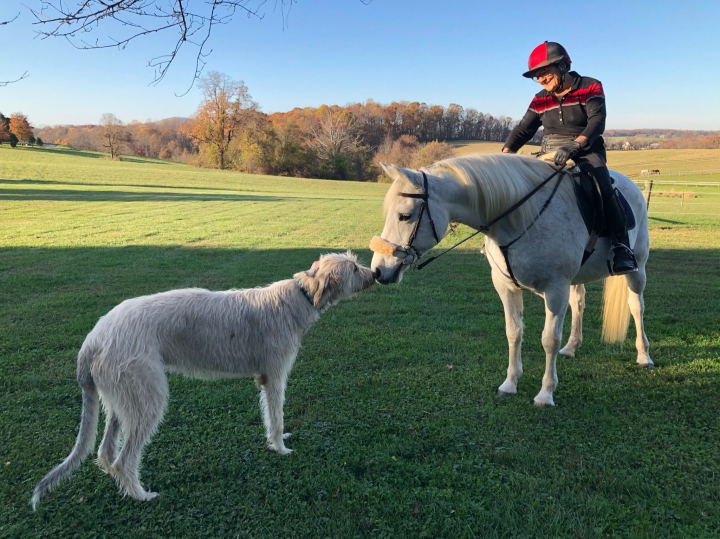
pixel 579 112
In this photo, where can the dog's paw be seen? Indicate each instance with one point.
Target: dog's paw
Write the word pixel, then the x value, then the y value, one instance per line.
pixel 280 449
pixel 104 465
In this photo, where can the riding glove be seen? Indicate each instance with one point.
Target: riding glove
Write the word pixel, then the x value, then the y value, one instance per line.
pixel 566 152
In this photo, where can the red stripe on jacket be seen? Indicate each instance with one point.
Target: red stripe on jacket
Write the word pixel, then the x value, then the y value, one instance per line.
pixel 578 96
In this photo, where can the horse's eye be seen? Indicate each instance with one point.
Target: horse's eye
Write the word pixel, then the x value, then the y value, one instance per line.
pixel 404 217
pixel 355 269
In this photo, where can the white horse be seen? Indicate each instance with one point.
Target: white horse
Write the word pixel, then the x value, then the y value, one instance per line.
pixel 546 259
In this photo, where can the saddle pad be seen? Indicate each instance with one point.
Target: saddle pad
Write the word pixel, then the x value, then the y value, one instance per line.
pixel 590 204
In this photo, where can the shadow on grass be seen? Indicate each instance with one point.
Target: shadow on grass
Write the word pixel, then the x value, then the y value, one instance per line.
pixel 392 401
pixel 670 221
pixel 65 151
pixel 97 155
pixel 133 196
pixel 144 161
pixel 27 181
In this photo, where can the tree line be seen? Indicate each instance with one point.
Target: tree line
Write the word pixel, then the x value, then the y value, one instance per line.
pixel 228 131
pixel 17 129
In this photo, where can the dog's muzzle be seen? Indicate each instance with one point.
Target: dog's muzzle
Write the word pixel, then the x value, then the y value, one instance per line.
pixel 408 255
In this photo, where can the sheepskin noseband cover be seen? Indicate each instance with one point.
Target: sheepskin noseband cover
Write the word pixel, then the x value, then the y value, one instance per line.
pixel 384 247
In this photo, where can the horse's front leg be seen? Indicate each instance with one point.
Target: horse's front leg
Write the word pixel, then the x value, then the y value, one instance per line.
pixel 577 306
pixel 513 303
pixel 556 302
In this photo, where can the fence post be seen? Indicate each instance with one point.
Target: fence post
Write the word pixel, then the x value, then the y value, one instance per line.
pixel 649 192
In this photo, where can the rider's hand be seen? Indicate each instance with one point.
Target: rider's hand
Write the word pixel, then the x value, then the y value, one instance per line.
pixel 566 152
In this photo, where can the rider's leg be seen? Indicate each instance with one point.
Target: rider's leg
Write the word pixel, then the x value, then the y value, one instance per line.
pixel 623 259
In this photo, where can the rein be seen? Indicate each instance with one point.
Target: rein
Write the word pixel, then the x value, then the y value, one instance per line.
pixel 486 227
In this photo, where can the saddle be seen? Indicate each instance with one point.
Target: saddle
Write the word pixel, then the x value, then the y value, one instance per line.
pixel 589 202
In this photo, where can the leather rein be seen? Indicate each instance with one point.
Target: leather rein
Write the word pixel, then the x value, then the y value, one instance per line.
pixel 413 256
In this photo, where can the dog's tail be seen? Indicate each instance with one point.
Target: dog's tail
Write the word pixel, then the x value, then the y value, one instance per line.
pixel 88 428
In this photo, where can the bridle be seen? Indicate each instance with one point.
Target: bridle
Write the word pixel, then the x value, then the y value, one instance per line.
pixel 411 254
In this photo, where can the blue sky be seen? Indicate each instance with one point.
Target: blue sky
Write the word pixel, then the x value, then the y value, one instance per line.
pixel 658 60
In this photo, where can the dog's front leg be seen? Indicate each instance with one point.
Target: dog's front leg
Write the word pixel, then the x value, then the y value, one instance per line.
pixel 272 398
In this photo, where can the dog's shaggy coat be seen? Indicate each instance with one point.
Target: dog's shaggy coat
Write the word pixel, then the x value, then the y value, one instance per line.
pixel 255 332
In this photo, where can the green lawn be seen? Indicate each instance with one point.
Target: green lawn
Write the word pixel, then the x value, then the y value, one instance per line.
pixel 397 431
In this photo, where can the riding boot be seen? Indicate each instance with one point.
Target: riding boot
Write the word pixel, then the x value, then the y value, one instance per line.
pixel 623 257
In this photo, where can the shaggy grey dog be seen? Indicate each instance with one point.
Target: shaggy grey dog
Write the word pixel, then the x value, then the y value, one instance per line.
pixel 255 332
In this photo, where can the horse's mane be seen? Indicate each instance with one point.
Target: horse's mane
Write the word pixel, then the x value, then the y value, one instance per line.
pixel 494 182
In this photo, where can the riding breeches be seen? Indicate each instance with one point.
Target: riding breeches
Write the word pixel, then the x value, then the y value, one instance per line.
pixel 594 164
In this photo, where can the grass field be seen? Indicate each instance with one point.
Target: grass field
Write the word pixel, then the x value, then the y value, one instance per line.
pixel 396 428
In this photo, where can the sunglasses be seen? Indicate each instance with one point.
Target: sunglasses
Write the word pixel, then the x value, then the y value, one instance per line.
pixel 541 74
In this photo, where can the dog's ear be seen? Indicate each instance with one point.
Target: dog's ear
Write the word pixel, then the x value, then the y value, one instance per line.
pixel 320 290
pixel 313 269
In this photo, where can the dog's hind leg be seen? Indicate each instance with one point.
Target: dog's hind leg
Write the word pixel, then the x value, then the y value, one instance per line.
pixel 141 395
pixel 107 453
pixel 272 398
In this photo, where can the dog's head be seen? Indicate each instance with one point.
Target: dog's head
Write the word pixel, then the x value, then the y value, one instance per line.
pixel 335 277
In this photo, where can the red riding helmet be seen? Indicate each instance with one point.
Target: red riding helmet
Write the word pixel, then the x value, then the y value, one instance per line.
pixel 546 54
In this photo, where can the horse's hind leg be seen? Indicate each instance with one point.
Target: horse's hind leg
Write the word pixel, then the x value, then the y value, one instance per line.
pixel 513 303
pixel 556 302
pixel 636 283
pixel 577 306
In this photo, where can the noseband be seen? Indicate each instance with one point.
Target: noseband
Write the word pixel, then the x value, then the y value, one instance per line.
pixel 408 253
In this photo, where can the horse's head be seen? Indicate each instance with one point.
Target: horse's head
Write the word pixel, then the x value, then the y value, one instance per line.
pixel 415 221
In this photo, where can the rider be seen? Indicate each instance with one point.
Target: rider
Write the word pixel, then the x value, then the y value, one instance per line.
pixel 571 109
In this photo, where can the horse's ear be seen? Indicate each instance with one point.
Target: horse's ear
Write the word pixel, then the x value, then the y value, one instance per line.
pixel 400 174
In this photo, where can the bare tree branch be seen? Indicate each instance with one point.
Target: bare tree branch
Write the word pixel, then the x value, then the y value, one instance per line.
pixel 6 82
pixel 3 23
pixel 24 75
pixel 334 134
pixel 193 22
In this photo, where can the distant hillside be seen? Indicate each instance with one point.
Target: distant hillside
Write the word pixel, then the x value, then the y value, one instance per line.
pixel 663 133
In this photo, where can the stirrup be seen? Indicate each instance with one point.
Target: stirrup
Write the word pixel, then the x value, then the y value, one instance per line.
pixel 625 249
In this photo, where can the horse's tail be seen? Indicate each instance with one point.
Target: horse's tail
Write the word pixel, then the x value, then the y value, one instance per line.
pixel 616 311
pixel 88 428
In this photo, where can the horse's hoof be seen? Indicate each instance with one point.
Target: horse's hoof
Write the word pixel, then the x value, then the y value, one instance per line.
pixel 502 393
pixel 647 365
pixel 543 404
pixel 566 353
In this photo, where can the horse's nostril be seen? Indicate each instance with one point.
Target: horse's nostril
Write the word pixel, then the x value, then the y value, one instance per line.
pixel 376 273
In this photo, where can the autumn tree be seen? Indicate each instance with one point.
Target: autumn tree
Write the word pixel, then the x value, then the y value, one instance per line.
pixel 114 134
pixel 336 139
pixel 4 128
pixel 225 107
pixel 429 153
pixel 20 127
pixel 333 134
pixel 399 152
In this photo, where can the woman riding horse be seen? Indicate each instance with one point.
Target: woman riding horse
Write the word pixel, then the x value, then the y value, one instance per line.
pixel 571 109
